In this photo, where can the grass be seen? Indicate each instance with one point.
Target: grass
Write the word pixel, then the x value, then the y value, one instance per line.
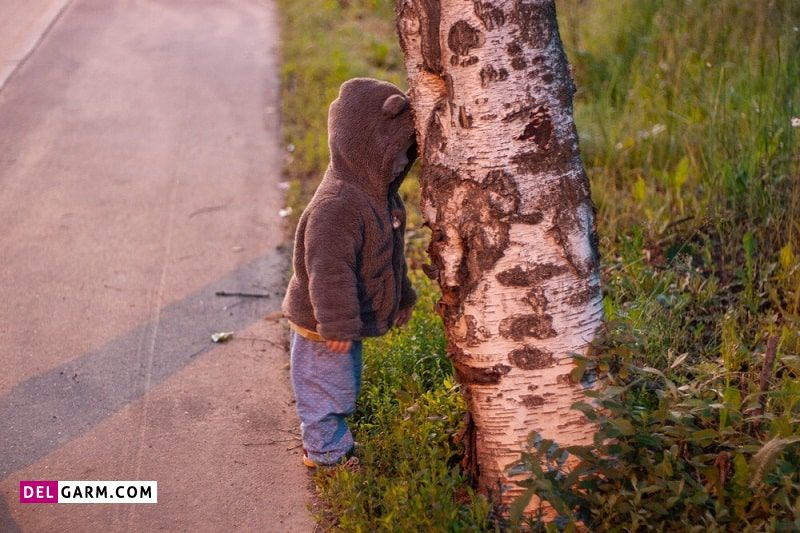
pixel 684 112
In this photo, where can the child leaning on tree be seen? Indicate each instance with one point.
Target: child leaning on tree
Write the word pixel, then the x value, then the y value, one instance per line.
pixel 350 276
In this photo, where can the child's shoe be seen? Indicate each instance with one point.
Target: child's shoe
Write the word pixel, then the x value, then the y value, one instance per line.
pixel 348 462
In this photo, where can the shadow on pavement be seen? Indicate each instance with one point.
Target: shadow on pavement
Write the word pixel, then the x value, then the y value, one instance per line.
pixel 9 525
pixel 46 411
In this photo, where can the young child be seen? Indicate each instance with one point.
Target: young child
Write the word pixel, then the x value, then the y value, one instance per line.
pixel 350 276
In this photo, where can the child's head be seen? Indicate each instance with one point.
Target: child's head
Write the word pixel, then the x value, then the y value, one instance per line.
pixel 371 134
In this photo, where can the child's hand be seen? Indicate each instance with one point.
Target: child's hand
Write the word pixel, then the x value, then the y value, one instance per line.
pixel 403 316
pixel 339 346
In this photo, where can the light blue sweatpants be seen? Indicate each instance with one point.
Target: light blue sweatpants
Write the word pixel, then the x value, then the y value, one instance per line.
pixel 326 385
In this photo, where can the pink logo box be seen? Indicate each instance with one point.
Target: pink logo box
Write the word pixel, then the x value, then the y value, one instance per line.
pixel 38 492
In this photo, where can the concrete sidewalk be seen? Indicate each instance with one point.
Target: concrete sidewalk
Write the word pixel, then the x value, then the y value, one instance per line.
pixel 139 168
pixel 22 25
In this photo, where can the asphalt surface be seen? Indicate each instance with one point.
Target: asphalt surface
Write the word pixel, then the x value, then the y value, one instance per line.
pixel 139 174
pixel 22 26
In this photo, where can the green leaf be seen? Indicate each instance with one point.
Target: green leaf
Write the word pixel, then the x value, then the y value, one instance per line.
pixel 624 426
pixel 741 472
pixel 639 190
pixel 787 258
pixel 681 173
pixel 749 244
pixel 577 373
pixel 518 506
pixel 587 410
pixel 704 435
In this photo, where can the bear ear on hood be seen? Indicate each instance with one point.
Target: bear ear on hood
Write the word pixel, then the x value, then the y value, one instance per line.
pixel 394 105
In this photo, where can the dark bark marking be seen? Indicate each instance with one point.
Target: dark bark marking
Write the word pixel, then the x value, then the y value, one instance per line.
pixel 519 63
pixel 540 128
pixel 464 118
pixel 429 20
pixel 450 94
pixel 570 195
pixel 471 60
pixel 472 330
pixel 522 277
pixel 434 131
pixel 503 193
pixel 521 109
pixel 536 22
pixel 532 218
pixel 462 38
pixel 531 401
pixel 513 49
pixel 518 327
pixel 540 60
pixel 490 74
pixel 430 271
pixel 537 300
pixel 490 15
pixel 558 156
pixel 471 375
pixel 584 295
pixel 531 358
pixel 449 89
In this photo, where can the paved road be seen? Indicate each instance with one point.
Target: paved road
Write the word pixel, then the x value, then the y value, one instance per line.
pixel 22 25
pixel 139 170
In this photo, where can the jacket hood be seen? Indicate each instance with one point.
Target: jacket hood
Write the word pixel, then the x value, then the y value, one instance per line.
pixel 369 125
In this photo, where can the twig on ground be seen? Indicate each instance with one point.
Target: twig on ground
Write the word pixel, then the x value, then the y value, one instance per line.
pixel 243 294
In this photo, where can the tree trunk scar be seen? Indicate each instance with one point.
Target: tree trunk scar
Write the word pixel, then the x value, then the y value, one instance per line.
pixel 434 133
pixel 479 214
pixel 429 13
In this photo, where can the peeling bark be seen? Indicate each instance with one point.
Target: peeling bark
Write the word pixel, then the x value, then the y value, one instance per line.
pixel 513 245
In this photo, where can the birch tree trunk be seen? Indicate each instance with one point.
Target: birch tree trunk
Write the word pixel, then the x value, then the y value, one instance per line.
pixel 513 245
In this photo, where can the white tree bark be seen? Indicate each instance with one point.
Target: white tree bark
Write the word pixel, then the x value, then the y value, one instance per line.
pixel 507 199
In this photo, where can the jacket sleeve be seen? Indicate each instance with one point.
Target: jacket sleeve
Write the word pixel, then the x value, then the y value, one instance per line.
pixel 408 296
pixel 333 241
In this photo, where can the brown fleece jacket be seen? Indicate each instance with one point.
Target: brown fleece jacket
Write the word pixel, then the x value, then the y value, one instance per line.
pixel 350 274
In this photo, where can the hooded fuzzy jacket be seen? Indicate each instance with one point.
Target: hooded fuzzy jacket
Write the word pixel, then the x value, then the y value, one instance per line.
pixel 350 275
